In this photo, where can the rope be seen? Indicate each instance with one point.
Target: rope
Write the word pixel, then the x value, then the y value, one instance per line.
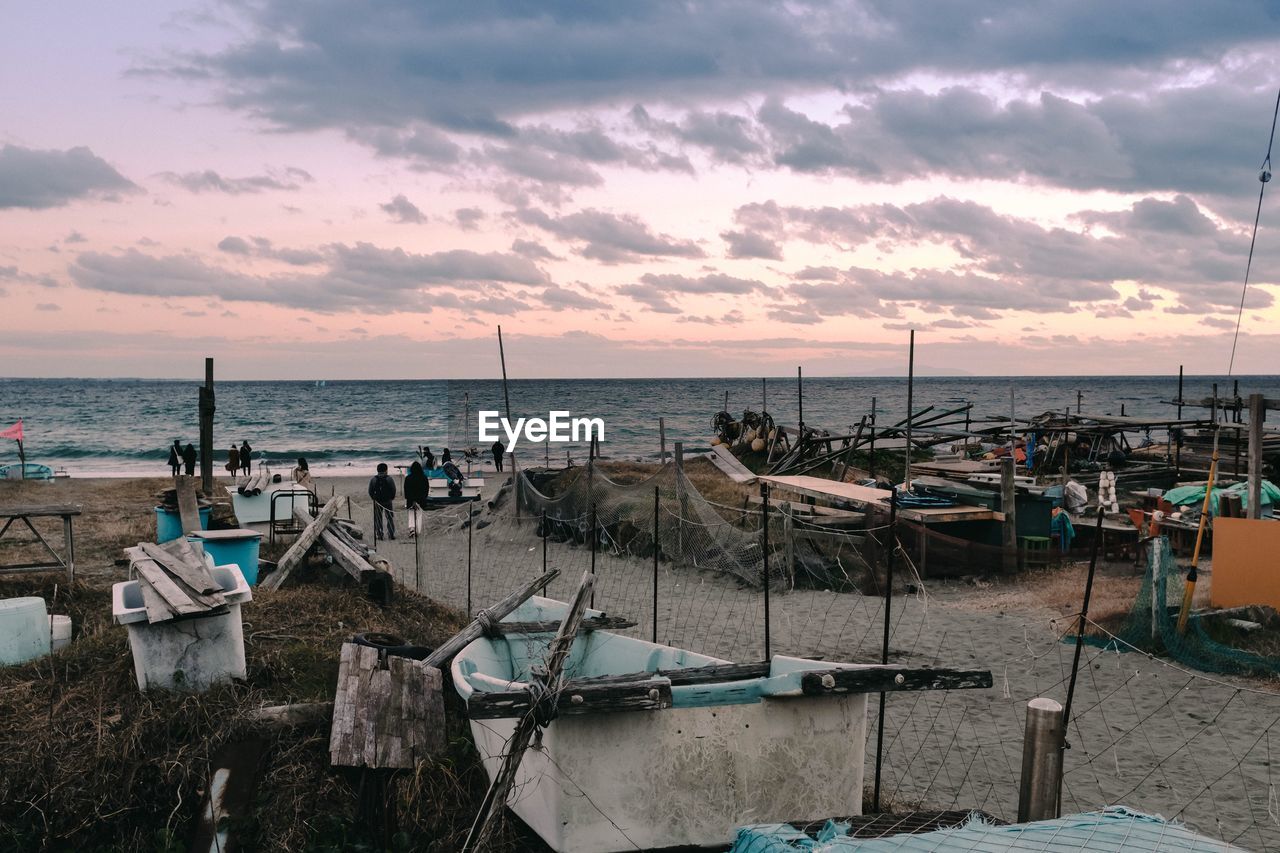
pixel 1264 175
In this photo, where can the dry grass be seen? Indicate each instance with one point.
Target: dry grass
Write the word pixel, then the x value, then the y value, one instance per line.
pixel 89 762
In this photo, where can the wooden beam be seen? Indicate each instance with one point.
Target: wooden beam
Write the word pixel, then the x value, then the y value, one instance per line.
pixel 190 567
pixel 188 507
pixel 886 679
pixel 1008 505
pixel 298 550
pixel 648 694
pixel 1257 413
pixel 442 655
pixel 594 623
pixel 381 714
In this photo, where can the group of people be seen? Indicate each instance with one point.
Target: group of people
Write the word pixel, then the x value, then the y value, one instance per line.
pixel 183 459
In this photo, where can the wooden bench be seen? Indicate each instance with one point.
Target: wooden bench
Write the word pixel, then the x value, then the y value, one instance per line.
pixel 24 514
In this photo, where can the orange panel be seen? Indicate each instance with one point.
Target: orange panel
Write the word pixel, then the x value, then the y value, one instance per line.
pixel 1246 562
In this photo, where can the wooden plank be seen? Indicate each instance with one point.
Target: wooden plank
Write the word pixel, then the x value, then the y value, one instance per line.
pixel 153 575
pixel 158 610
pixel 865 496
pixel 293 557
pixel 886 679
pixel 594 623
pixel 190 567
pixel 723 458
pixel 577 697
pixel 386 714
pixel 188 509
pixel 39 510
pixel 442 655
pixel 138 556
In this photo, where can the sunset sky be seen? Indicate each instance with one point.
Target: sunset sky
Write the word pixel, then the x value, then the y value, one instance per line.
pixel 366 190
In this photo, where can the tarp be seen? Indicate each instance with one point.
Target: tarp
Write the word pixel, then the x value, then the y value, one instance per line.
pixel 14 432
pixel 1194 495
pixel 1109 831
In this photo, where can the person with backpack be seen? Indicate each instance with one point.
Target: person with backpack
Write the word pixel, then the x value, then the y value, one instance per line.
pixel 245 453
pixel 382 490
pixel 175 458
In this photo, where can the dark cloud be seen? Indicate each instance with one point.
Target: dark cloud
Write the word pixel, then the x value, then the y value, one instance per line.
pixel 356 277
pixel 468 218
pixel 533 249
pixel 710 283
pixel 39 179
pixel 651 297
pixel 261 247
pixel 559 298
pixel 286 179
pixel 17 276
pixel 609 237
pixel 748 244
pixel 401 210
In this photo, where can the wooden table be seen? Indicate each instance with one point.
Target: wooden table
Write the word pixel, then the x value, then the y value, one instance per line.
pixel 25 514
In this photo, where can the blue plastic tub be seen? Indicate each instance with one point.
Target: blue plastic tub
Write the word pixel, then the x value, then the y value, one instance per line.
pixel 239 546
pixel 169 523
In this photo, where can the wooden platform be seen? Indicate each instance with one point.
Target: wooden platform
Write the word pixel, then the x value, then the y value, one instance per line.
pixel 723 458
pixel 865 497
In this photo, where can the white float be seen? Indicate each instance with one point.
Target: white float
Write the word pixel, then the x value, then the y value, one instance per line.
pixel 24 630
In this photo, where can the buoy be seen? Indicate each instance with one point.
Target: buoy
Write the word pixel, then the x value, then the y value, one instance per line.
pixel 757 445
pixel 715 442
pixel 750 436
pixel 773 434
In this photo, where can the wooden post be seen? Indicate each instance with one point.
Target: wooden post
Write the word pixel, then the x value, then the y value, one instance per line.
pixel 1177 458
pixel 206 429
pixel 800 395
pixel 911 378
pixel 884 650
pixel 502 356
pixel 871 452
pixel 684 501
pixel 764 529
pixel 656 549
pixel 662 440
pixel 1257 413
pixel 1008 502
pixel 1041 761
pixel 301 545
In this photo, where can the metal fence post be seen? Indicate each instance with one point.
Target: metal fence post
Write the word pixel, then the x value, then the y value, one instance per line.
pixel 471 523
pixel 764 516
pixel 655 563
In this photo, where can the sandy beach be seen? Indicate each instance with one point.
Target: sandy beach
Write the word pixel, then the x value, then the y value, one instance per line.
pixel 1146 733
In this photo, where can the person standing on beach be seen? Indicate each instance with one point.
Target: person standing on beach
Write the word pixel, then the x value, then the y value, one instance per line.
pixel 246 453
pixel 498 450
pixel 233 461
pixel 189 459
pixel 382 489
pixel 428 458
pixel 416 490
pixel 175 458
pixel 445 456
pixel 302 474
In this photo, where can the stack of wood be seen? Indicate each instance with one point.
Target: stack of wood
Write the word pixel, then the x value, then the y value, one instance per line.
pixel 338 537
pixel 175 581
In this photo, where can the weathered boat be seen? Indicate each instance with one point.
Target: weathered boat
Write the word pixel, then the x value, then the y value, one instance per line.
pixel 709 744
pixel 28 471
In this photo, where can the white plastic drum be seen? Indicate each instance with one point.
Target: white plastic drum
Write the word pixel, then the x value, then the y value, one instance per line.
pixel 24 630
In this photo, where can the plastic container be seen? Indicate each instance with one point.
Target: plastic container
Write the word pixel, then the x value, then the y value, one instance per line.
pixel 232 547
pixel 185 654
pixel 169 523
pixel 60 631
pixel 24 630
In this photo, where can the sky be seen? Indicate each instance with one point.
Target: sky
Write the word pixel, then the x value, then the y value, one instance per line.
pixel 339 189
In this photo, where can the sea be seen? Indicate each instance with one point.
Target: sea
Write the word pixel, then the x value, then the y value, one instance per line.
pixel 123 427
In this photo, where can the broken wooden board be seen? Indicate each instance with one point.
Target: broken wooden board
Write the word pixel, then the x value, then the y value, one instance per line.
pixel 167 596
pixel 184 563
pixel 652 693
pixel 882 679
pixel 592 623
pixel 188 508
pixel 723 458
pixel 385 716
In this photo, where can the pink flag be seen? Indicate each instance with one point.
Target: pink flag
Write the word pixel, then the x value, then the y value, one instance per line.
pixel 14 432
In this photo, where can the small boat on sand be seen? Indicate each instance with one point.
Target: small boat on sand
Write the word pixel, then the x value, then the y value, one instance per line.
pixel 29 471
pixel 717 744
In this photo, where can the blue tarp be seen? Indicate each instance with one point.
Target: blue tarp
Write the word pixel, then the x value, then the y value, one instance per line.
pixel 1111 830
pixel 1193 496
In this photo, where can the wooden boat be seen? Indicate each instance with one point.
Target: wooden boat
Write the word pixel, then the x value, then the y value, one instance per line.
pixel 708 744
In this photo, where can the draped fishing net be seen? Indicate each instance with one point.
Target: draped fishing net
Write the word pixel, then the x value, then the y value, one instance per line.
pixel 1152 624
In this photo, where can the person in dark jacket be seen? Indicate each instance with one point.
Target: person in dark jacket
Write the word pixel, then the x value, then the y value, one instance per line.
pixel 445 456
pixel 382 489
pixel 428 458
pixel 246 453
pixel 175 458
pixel 498 450
pixel 417 488
pixel 189 459
pixel 233 461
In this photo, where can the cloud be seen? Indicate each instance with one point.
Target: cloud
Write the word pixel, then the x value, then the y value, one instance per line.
pixel 651 297
pixel 533 249
pixel 747 244
pixel 609 237
pixel 39 179
pixel 261 247
pixel 287 179
pixel 401 210
pixel 468 218
pixel 359 277
pixel 47 306
pixel 560 298
pixel 710 283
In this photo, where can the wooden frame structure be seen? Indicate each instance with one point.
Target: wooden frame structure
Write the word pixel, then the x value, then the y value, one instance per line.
pixel 24 514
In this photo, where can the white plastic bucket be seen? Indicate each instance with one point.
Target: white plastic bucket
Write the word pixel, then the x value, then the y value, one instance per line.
pixel 24 630
pixel 60 631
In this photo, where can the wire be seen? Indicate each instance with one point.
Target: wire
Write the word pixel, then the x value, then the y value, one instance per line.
pixel 1264 175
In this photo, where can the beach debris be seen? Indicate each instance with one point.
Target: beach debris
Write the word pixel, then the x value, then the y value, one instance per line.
pixel 174 581
pixel 488 618
pixel 298 550
pixel 24 630
pixel 388 711
pixel 234 771
pixel 188 509
pixel 547 678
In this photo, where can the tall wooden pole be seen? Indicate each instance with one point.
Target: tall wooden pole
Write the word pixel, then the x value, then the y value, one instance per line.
pixel 764 526
pixel 1257 412
pixel 800 395
pixel 884 648
pixel 662 440
pixel 871 454
pixel 502 356
pixel 1008 505
pixel 911 379
pixel 206 429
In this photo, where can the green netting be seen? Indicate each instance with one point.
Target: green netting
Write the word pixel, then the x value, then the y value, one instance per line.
pixel 1152 624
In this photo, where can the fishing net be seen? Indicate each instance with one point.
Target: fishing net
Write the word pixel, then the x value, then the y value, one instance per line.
pixel 1152 624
